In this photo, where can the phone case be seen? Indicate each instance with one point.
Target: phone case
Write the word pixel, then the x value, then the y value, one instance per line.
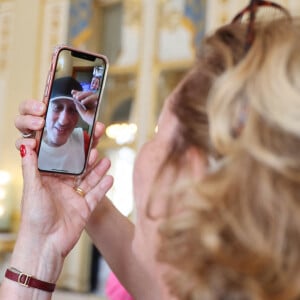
pixel 73 92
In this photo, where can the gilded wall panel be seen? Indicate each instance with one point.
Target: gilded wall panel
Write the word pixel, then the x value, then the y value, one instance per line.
pixel 54 24
pixel 6 33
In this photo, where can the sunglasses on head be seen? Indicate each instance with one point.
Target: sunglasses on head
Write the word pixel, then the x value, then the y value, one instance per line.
pixel 249 13
pixel 251 10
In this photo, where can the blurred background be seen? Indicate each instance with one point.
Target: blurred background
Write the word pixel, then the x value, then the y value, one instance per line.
pixel 150 45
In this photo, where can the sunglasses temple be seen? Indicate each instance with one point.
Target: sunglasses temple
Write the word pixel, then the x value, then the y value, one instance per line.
pixel 250 31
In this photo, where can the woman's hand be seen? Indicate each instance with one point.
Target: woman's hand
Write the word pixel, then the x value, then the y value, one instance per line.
pixel 54 214
pixel 52 220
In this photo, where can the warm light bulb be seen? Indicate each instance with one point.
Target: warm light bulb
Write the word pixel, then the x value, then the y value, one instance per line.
pixel 122 133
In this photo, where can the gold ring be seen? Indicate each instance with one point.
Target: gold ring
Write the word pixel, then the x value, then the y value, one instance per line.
pixel 79 191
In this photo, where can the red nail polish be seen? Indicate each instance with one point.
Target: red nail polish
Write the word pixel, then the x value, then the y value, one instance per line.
pixel 22 150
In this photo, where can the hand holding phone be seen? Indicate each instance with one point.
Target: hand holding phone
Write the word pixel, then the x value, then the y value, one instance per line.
pixel 72 109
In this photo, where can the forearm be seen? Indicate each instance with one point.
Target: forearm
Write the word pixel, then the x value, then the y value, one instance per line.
pixel 113 233
pixel 37 260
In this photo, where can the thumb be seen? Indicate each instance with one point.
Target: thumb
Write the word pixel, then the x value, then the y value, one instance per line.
pixel 29 164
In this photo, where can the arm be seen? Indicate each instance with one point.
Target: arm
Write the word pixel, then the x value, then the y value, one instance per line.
pixel 31 258
pixel 113 234
pixel 51 223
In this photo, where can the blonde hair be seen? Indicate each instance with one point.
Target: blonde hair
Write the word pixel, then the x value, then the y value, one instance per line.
pixel 239 237
pixel 217 53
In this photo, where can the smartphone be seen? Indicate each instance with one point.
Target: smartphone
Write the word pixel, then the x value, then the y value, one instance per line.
pixel 73 94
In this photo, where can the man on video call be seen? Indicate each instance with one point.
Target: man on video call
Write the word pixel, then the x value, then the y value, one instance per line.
pixel 63 144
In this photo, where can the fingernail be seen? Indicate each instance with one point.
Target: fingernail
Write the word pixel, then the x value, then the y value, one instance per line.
pixel 22 150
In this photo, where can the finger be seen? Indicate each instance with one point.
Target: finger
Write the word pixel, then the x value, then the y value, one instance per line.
pixel 29 168
pixel 98 133
pixel 99 130
pixel 32 107
pixel 81 95
pixel 93 157
pixel 87 98
pixel 80 107
pixel 95 174
pixel 92 162
pixel 27 123
pixel 90 101
pixel 96 194
pixel 27 142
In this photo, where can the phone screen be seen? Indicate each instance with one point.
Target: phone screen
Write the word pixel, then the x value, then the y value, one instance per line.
pixel 73 95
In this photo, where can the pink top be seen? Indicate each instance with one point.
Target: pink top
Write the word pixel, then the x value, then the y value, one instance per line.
pixel 114 290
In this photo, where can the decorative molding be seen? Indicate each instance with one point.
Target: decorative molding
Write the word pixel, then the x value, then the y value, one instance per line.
pixel 54 24
pixel 174 26
pixel 132 12
pixel 170 14
pixel 107 2
pixel 6 33
pixel 130 33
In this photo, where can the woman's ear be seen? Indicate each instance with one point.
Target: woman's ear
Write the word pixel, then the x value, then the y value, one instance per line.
pixel 196 161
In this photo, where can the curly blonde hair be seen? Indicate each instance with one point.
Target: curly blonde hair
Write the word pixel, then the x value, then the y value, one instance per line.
pixel 238 237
